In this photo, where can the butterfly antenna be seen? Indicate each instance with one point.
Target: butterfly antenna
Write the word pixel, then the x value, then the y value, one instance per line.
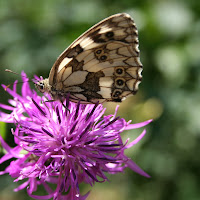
pixel 8 70
pixel 7 86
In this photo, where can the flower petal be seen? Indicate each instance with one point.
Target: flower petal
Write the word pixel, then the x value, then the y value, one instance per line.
pixel 138 125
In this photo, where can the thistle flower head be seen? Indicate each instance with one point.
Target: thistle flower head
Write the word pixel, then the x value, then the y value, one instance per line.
pixel 56 146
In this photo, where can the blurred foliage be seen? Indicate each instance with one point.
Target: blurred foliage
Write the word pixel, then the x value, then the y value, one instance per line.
pixel 34 33
pixel 3 129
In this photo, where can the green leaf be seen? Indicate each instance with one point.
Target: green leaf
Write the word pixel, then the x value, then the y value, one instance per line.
pixel 3 129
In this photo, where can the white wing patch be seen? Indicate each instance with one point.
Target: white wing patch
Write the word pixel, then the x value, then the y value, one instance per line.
pixel 105 29
pixel 67 73
pixel 105 92
pixel 64 62
pixel 105 82
pixel 75 78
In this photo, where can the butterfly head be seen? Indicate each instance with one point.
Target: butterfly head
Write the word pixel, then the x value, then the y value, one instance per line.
pixel 43 85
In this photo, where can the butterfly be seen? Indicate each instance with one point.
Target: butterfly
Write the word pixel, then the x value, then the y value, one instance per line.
pixel 102 65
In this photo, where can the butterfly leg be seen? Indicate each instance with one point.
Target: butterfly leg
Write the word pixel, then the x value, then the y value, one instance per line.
pixel 65 106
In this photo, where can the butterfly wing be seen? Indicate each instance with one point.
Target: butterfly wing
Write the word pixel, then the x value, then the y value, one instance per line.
pixel 103 64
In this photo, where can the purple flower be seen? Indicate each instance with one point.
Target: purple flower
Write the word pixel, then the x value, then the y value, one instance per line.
pixel 56 146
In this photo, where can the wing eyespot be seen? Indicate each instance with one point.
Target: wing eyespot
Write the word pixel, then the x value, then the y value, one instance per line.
pixel 119 82
pixel 98 51
pixel 109 34
pixel 116 93
pixel 119 71
pixel 103 57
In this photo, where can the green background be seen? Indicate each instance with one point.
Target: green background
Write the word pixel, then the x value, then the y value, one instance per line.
pixel 34 33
